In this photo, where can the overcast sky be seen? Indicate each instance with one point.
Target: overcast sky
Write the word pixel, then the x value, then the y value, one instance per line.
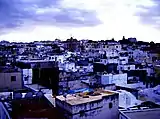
pixel 30 20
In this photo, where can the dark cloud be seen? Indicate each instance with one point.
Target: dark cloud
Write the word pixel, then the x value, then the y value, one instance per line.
pixel 150 15
pixel 15 13
pixel 69 17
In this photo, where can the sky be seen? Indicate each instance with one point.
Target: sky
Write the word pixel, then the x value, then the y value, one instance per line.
pixel 36 20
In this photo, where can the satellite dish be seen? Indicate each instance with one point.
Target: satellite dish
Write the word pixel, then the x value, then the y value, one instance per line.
pixel 26 78
pixel 39 94
pixel 17 96
pixel 65 95
pixel 29 95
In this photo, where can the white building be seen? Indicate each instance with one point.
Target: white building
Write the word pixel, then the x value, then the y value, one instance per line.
pixel 88 68
pixel 68 66
pixel 118 79
pixel 123 60
pixel 58 58
pixel 111 53
pixel 109 61
pixel 21 57
pixel 127 99
pixel 21 50
pixel 111 46
pixel 92 53
pixel 140 56
pixel 126 67
pixel 139 53
pixel 100 105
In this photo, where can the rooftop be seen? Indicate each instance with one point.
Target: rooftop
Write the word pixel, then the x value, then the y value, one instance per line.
pixel 141 114
pixel 82 98
pixel 134 86
pixel 34 61
pixel 151 94
pixel 27 107
pixel 35 87
pixel 34 109
pixel 8 70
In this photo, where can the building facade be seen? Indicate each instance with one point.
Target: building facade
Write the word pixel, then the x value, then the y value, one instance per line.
pixel 101 106
pixel 11 80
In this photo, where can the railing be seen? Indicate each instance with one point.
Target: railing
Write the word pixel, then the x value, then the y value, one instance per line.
pixel 123 116
pixel 3 112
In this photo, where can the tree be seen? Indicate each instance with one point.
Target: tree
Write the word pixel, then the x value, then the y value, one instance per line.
pixel 123 38
pixel 152 44
pixel 112 39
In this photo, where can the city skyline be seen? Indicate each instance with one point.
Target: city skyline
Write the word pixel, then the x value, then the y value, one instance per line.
pixel 36 20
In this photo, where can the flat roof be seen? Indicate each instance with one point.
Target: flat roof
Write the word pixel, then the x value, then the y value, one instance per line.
pixel 8 70
pixel 34 87
pixel 50 98
pixel 144 114
pixel 34 61
pixel 77 99
pixel 134 86
pixel 35 108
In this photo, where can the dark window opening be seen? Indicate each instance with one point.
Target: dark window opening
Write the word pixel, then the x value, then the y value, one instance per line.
pixel 82 113
pixel 13 78
pixel 110 105
pixel 128 68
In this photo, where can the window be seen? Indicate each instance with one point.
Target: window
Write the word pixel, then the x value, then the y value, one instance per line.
pixel 82 113
pixel 13 78
pixel 110 105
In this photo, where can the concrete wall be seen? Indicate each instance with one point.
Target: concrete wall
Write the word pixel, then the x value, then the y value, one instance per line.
pixel 27 76
pixel 110 87
pixel 75 84
pixel 118 79
pixel 5 79
pixel 104 79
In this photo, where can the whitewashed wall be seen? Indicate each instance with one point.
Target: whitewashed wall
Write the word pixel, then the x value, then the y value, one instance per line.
pixel 27 73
